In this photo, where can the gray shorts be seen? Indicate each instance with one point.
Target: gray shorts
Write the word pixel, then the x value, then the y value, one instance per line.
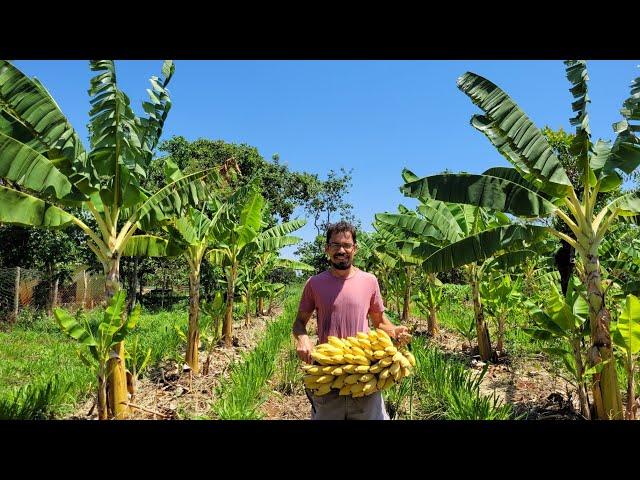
pixel 335 407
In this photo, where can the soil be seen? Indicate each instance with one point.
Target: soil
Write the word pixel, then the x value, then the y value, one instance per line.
pixel 525 383
pixel 170 391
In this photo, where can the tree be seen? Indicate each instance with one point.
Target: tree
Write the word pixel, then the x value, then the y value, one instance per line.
pixel 48 172
pixel 538 185
pixel 240 233
pixel 324 198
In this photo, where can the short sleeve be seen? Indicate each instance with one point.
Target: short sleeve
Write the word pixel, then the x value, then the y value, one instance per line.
pixel 376 305
pixel 307 301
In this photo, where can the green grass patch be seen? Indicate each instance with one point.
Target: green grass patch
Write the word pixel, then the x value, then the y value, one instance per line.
pixel 447 390
pixel 243 392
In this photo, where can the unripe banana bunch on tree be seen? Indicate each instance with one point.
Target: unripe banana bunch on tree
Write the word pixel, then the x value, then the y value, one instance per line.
pixel 358 366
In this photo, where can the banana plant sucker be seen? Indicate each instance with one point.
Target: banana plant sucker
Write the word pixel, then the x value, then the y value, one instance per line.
pixel 484 343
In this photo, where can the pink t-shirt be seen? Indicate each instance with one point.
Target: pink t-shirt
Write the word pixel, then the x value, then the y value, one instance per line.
pixel 342 304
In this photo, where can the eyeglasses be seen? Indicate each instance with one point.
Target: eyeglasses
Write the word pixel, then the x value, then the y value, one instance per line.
pixel 336 246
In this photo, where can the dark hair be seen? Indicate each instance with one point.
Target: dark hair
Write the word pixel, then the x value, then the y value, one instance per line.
pixel 341 226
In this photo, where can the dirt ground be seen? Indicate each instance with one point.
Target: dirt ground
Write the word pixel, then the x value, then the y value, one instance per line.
pixel 169 391
pixel 525 383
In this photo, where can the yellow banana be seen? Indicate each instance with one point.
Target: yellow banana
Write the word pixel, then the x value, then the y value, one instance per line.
pixel 394 368
pixel 384 374
pixel 365 378
pixel 375 368
pixel 336 342
pixel 323 390
pixel 362 336
pixel 325 379
pixel 336 371
pixel 357 388
pixel 357 351
pixel 338 383
pixel 362 369
pixel 371 384
pixel 322 359
pixel 389 383
pixel 361 360
pixel 378 354
pixel 411 358
pixel 386 361
pixel 351 368
pixel 391 350
pixel 345 390
pixel 337 359
pixel 350 358
pixel 352 379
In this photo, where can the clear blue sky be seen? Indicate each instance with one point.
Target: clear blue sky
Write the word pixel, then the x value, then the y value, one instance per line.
pixel 373 116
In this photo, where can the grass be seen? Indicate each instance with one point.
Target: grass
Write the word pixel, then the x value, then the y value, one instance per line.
pixel 240 396
pixel 38 362
pixel 447 390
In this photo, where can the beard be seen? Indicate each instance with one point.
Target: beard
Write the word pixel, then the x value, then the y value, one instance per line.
pixel 341 263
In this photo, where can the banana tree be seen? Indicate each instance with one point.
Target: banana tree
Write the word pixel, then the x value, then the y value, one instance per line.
pixel 626 336
pixel 239 235
pixel 457 235
pixel 394 244
pixel 500 295
pixel 191 236
pixel 429 299
pixel 47 170
pixel 538 186
pixel 256 270
pixel 100 341
pixel 563 319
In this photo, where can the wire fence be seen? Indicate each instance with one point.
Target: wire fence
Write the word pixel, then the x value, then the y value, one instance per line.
pixel 22 288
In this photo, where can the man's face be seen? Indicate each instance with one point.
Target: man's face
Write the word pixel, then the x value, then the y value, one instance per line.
pixel 341 250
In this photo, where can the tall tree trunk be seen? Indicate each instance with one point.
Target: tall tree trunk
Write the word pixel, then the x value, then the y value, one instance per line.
pixel 117 383
pixel 582 393
pixel 484 344
pixel 193 342
pixel 606 395
pixel 228 314
pixel 102 397
pixel 407 296
pixel 432 321
pixel 117 378
pixel 134 282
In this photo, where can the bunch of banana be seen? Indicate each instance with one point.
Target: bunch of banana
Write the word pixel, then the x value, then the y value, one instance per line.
pixel 357 366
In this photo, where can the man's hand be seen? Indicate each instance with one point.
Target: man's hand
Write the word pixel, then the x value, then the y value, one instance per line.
pixel 303 348
pixel 401 335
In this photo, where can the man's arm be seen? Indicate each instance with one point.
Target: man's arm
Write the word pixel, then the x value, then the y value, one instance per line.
pixel 303 342
pixel 380 320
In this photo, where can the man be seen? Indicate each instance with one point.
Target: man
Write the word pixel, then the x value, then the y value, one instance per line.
pixel 343 296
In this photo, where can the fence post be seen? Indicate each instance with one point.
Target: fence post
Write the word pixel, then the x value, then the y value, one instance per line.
pixel 16 298
pixel 55 294
pixel 84 288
